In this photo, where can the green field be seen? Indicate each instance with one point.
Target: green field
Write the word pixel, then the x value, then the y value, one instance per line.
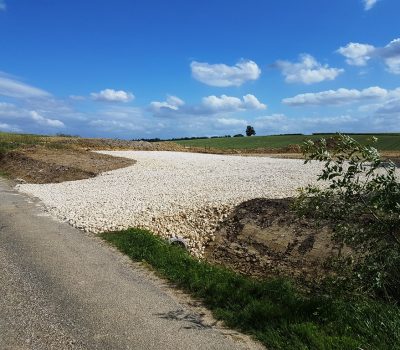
pixel 386 142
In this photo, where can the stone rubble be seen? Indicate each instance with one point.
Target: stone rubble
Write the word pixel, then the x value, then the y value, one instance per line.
pixel 173 194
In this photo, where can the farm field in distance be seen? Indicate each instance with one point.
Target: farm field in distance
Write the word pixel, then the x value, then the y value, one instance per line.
pixel 386 142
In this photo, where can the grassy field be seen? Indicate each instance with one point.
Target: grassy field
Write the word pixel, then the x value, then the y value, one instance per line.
pixel 386 142
pixel 9 141
pixel 273 311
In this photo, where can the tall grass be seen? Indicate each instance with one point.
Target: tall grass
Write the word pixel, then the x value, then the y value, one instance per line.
pixel 10 141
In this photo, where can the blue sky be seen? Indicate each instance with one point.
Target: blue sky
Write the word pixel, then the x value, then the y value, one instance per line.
pixel 141 69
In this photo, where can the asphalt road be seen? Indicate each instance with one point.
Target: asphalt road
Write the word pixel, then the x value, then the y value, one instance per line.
pixel 63 289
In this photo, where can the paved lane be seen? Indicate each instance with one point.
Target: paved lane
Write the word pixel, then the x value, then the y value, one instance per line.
pixel 62 289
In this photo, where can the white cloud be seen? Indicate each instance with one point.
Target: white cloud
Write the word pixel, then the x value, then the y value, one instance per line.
pixel 232 122
pixel 391 106
pixel 340 97
pixel 12 87
pixel 222 75
pixel 308 70
pixel 54 123
pixel 222 103
pixel 359 54
pixel 172 102
pixel 229 103
pixel 210 105
pixel 111 95
pixel 251 102
pixel 369 4
pixel 391 56
pixel 3 6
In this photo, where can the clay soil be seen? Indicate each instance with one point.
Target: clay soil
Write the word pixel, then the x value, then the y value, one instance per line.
pixel 264 237
pixel 43 165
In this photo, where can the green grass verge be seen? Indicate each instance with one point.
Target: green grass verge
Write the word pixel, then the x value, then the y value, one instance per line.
pixel 273 311
pixel 386 142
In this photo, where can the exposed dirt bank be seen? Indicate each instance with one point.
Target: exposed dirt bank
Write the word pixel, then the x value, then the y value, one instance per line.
pixel 41 165
pixel 264 237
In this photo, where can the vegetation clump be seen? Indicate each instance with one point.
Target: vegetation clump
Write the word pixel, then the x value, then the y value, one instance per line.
pixel 362 202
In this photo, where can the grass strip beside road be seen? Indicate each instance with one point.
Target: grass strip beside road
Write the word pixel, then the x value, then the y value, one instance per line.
pixel 272 310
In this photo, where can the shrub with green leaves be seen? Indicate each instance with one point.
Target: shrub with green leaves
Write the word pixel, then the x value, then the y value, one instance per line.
pixel 360 199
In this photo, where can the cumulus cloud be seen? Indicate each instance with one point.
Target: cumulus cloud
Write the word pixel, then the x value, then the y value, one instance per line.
pixel 210 105
pixel 251 102
pixel 172 102
pixel 54 123
pixel 222 75
pixel 391 56
pixel 12 87
pixel 341 96
pixel 230 103
pixel 359 54
pixel 369 4
pixel 111 95
pixel 2 5
pixel 222 103
pixel 307 71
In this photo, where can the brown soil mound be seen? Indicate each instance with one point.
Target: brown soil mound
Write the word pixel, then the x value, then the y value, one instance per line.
pixel 41 165
pixel 264 237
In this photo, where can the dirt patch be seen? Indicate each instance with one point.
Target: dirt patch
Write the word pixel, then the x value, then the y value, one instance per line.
pixel 264 237
pixel 41 165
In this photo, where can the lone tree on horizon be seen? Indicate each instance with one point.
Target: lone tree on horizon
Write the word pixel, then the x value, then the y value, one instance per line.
pixel 250 130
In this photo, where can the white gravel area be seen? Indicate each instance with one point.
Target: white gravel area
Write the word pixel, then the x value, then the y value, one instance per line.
pixel 172 193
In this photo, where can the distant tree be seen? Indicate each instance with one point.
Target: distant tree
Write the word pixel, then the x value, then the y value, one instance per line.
pixel 250 130
pixel 238 135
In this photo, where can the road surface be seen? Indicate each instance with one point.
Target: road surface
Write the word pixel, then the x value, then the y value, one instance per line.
pixel 63 289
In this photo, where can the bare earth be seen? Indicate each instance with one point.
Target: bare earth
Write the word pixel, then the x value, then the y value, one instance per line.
pixel 42 165
pixel 264 237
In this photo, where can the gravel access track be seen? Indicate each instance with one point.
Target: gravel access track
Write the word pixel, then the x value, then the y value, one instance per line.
pixel 172 194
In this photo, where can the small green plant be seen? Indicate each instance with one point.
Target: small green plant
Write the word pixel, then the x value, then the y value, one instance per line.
pixel 361 200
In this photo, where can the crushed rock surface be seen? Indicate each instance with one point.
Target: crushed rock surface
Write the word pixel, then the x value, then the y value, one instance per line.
pixel 173 194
